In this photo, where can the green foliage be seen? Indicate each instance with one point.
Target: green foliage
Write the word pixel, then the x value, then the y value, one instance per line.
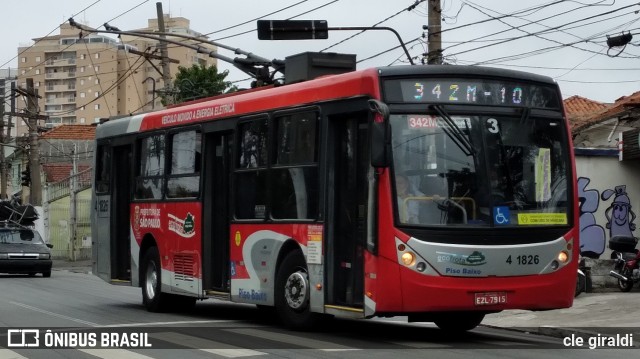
pixel 197 82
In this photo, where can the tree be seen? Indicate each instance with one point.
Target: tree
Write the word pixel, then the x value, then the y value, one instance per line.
pixel 198 81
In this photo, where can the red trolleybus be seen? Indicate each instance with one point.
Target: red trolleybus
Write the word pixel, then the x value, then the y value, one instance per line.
pixel 441 193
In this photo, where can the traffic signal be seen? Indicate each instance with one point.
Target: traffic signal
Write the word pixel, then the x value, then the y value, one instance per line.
pixel 26 177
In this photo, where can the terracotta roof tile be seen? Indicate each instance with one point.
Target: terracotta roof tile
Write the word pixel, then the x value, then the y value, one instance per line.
pixel 578 105
pixel 621 105
pixel 56 172
pixel 71 132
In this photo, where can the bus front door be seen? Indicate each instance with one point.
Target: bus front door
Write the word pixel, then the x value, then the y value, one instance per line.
pixel 348 214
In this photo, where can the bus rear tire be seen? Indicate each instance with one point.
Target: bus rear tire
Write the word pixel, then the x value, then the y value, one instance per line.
pixel 459 321
pixel 152 297
pixel 292 292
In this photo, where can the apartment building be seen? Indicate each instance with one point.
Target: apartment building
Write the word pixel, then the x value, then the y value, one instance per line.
pixel 84 77
pixel 7 78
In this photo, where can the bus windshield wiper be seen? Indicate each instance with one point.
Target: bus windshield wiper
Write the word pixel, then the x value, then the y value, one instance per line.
pixel 454 131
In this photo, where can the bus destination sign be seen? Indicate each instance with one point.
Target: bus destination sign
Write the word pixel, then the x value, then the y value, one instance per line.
pixel 475 92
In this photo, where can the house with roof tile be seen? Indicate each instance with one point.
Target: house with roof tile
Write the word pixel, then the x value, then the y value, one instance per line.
pixel 57 149
pixel 607 149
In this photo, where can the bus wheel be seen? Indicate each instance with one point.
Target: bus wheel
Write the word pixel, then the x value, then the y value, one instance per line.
pixel 292 293
pixel 152 297
pixel 459 321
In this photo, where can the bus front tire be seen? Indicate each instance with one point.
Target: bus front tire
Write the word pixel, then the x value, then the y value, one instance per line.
pixel 459 321
pixel 152 297
pixel 292 291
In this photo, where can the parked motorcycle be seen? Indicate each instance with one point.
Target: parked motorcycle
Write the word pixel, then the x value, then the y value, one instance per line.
pixel 581 281
pixel 626 267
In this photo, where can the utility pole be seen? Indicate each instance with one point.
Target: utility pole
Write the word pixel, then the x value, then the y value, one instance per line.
pixel 73 182
pixel 34 159
pixel 434 28
pixel 166 75
pixel 3 164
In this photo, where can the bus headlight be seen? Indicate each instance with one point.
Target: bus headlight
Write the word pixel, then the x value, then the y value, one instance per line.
pixel 408 258
pixel 563 257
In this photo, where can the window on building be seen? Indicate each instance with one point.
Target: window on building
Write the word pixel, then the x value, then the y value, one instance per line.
pixel 83 56
pixel 23 59
pixel 96 106
pixel 96 68
pixel 37 71
pixel 150 169
pixel 97 82
pixel 97 55
pixel 82 95
pixel 97 93
pixel 82 82
pixel 82 120
pixel 38 59
pixel 186 156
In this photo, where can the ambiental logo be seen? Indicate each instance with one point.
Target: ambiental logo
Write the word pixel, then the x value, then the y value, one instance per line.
pixel 474 259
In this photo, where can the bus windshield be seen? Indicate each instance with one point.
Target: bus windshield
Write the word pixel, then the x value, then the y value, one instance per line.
pixel 480 170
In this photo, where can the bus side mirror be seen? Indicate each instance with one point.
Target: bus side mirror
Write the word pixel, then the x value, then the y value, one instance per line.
pixel 380 134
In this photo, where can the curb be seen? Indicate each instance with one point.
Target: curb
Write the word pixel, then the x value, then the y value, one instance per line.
pixel 559 332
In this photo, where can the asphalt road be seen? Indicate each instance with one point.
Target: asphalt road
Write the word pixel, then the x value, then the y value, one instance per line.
pixel 81 303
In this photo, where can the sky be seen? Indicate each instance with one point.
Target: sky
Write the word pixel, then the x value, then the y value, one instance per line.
pixel 566 40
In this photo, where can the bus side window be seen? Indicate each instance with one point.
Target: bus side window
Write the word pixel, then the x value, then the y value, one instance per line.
pixel 149 181
pixel 184 175
pixel 103 169
pixel 250 177
pixel 294 175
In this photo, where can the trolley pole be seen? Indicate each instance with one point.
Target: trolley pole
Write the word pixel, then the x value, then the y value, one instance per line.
pixel 434 28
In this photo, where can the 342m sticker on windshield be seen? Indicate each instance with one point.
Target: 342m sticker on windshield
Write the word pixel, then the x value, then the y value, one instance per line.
pixel 430 121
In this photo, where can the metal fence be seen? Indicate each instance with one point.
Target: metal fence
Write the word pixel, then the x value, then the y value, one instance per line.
pixel 60 224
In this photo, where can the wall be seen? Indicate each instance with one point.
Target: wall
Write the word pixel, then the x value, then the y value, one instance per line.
pixel 59 227
pixel 610 200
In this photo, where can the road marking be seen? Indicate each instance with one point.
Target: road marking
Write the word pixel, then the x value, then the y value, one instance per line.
pixel 223 349
pixel 165 323
pixel 289 339
pixel 114 354
pixel 422 345
pixel 10 354
pixel 92 324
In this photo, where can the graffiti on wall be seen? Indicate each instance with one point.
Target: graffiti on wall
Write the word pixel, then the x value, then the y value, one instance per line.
pixel 592 235
pixel 619 217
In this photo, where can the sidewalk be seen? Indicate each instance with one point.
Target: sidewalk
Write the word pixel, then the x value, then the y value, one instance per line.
pixel 81 266
pixel 592 314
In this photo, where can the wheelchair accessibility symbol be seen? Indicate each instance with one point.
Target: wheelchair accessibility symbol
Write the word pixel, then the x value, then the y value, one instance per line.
pixel 501 215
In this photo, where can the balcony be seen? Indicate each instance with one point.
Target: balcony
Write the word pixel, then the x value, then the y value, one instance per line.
pixel 59 62
pixel 60 88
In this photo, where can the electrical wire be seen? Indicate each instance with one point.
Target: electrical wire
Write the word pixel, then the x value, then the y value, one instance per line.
pixel 51 32
pixel 293 17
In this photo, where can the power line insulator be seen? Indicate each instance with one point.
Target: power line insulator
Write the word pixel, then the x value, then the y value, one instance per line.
pixel 620 40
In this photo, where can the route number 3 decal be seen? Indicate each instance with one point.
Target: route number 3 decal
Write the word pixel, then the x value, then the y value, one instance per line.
pixel 492 125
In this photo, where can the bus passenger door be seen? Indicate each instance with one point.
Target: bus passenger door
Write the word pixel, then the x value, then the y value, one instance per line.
pixel 215 238
pixel 348 167
pixel 120 223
